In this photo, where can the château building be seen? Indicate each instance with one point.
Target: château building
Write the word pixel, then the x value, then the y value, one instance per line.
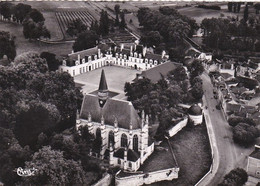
pixel 136 57
pixel 123 135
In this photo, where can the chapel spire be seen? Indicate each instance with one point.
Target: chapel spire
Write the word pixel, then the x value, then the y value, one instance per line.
pixel 102 90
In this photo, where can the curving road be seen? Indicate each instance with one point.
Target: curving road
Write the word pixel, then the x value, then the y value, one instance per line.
pixel 230 154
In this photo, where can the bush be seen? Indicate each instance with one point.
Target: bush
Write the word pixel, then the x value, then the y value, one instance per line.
pixel 213 7
pixel 235 120
pixel 245 134
pixel 236 177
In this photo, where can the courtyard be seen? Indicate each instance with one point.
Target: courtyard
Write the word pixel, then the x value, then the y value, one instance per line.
pixel 116 78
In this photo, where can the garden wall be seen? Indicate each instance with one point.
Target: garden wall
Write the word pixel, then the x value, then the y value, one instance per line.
pixel 175 129
pixel 147 178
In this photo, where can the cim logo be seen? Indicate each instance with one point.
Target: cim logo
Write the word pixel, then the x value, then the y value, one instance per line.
pixel 25 172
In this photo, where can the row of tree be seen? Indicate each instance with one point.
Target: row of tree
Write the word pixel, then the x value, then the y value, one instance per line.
pixel 236 176
pixel 225 34
pixel 32 19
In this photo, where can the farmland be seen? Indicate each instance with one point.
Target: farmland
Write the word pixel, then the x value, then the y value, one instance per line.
pixel 65 17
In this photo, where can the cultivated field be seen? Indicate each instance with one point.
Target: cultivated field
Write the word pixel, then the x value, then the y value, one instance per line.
pixel 115 76
pixel 66 17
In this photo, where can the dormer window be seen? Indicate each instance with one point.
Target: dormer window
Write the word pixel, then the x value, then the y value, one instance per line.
pixel 64 62
pixel 151 61
pixel 135 54
pixel 83 61
pixel 140 56
pixel 146 61
pixel 95 57
pixel 89 58
pixel 116 55
pixel 77 63
pixel 155 62
pixel 124 56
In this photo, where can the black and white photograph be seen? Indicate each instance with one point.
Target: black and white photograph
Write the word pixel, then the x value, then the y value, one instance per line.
pixel 130 93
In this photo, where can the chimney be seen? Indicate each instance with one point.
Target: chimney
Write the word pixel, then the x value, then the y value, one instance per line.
pixel 99 53
pixel 122 47
pixel 144 51
pixel 163 53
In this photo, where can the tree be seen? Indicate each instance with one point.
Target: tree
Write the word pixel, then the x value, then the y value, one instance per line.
pixel 7 45
pixel 245 134
pixel 246 13
pixel 6 9
pixel 32 30
pixel 197 90
pixel 37 117
pixel 104 23
pixel 54 169
pixel 117 11
pixel 95 27
pixel 53 63
pixel 236 177
pixel 178 74
pixel 235 120
pixel 122 24
pixel 85 40
pixel 230 4
pixel 196 68
pixel 12 156
pixel 36 16
pixel 21 11
pixel 151 39
pixel 76 27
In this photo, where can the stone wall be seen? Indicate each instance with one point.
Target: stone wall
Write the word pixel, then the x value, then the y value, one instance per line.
pixel 253 167
pixel 147 178
pixel 175 129
pixel 105 181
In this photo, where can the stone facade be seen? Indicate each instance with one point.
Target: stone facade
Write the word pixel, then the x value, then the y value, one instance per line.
pixel 91 59
pixel 253 164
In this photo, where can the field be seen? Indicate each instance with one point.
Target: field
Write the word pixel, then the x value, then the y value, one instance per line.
pixel 66 17
pixel 115 76
pixel 192 150
pixel 24 45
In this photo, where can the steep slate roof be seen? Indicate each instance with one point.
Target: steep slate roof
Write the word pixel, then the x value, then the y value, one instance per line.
pixel 255 153
pixel 154 57
pixel 123 111
pixel 154 74
pixel 103 82
pixel 83 53
pixel 131 155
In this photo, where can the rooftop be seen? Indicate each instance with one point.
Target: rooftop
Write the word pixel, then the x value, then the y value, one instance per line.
pixel 120 110
pixel 256 152
pixel 155 73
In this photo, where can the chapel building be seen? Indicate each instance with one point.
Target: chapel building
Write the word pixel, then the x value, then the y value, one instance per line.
pixel 123 135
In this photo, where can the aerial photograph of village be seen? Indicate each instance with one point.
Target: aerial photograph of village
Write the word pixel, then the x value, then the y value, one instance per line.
pixel 130 93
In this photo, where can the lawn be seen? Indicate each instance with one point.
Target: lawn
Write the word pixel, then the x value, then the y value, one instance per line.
pixel 192 150
pixel 115 76
pixel 24 45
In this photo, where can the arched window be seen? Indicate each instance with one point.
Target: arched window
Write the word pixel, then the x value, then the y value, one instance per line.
pixel 98 133
pixel 123 140
pixel 111 138
pixel 135 143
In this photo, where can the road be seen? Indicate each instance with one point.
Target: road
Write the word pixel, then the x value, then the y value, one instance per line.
pixel 230 155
